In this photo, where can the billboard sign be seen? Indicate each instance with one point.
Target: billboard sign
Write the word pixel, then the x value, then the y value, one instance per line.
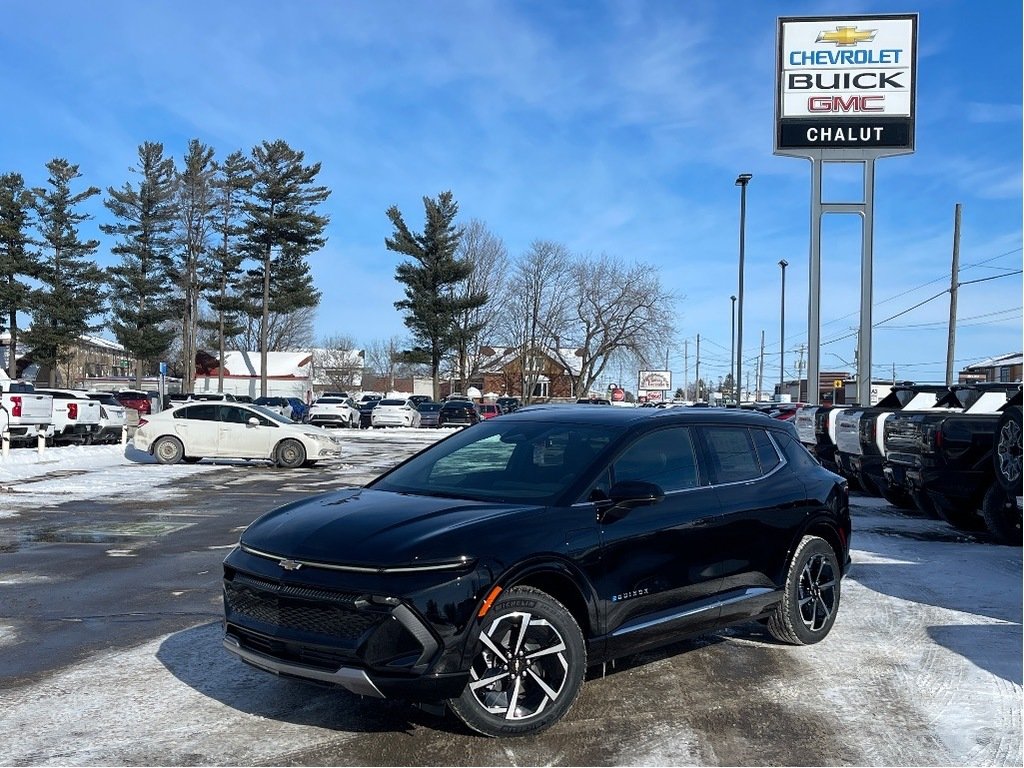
pixel 661 380
pixel 846 83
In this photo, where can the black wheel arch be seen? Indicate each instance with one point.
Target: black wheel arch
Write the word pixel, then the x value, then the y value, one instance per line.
pixel 822 526
pixel 558 578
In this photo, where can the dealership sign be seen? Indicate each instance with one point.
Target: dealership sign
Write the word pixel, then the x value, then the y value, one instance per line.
pixel 846 82
pixel 660 380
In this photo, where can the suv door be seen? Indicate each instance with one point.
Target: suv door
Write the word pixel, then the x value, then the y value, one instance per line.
pixel 763 506
pixel 661 564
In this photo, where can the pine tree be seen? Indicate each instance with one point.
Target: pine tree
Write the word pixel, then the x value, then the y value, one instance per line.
pixel 195 209
pixel 142 297
pixel 221 275
pixel 282 228
pixel 72 286
pixel 16 259
pixel 431 305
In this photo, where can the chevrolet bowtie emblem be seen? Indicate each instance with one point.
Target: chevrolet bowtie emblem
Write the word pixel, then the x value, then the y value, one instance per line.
pixel 290 565
pixel 846 36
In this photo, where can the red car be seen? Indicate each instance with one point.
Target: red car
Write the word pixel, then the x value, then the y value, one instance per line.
pixel 490 410
pixel 131 398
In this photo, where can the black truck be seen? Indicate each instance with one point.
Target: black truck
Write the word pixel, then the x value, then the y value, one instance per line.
pixel 860 448
pixel 951 459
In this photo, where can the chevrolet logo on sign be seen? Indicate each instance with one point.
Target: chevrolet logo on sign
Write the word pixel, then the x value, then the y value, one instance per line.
pixel 846 36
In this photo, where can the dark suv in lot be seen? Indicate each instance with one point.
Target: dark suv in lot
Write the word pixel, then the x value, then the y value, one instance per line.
pixel 491 569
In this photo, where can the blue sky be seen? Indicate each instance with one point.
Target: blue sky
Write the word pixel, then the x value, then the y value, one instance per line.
pixel 613 128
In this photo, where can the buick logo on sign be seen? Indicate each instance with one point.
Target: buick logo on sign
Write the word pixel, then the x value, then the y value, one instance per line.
pixel 290 565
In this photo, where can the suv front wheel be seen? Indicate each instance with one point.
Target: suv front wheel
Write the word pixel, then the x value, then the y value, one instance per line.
pixel 811 595
pixel 528 666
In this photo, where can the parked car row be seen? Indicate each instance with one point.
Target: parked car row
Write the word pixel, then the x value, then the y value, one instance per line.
pixel 952 453
pixel 338 409
pixel 59 415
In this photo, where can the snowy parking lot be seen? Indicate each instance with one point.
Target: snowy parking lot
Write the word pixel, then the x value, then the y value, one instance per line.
pixel 923 665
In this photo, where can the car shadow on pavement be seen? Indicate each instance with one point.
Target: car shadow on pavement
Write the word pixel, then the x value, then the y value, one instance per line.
pixel 992 647
pixel 197 658
pixel 981 588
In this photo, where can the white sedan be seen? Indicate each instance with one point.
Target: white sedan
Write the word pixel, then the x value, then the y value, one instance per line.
pixel 331 411
pixel 198 430
pixel 395 413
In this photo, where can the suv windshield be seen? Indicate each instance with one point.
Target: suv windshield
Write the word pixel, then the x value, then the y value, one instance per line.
pixel 530 461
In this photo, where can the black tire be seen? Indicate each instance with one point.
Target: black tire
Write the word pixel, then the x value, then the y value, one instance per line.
pixel 1006 455
pixel 168 450
pixel 290 454
pixel 192 459
pixel 541 665
pixel 811 594
pixel 308 464
pixel 961 516
pixel 1002 515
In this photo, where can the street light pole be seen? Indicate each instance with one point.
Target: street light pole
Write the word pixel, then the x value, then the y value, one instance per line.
pixel 732 347
pixel 741 181
pixel 782 329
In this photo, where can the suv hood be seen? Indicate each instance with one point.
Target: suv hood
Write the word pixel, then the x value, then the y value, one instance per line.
pixel 373 528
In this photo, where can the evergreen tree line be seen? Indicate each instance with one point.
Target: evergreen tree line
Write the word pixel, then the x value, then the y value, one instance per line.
pixel 230 236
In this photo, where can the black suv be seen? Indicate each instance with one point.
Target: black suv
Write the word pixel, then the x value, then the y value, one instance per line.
pixel 458 412
pixel 491 569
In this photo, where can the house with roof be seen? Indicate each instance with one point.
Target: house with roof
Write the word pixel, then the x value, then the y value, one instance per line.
pixel 541 373
pixel 1002 368
pixel 289 374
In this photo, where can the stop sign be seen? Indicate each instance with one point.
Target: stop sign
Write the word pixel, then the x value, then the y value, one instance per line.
pixel 618 394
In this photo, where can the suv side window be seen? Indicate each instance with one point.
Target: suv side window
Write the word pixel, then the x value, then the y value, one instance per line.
pixel 766 452
pixel 731 454
pixel 664 457
pixel 794 450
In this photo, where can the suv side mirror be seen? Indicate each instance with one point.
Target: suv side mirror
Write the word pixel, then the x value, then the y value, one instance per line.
pixel 630 494
pixel 635 493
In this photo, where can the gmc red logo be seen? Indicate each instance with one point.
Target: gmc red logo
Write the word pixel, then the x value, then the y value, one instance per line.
pixel 845 104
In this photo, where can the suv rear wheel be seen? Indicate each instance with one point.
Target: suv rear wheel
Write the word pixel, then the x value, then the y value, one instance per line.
pixel 811 595
pixel 528 666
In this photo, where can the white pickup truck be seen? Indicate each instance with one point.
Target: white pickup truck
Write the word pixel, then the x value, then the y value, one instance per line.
pixel 76 418
pixel 24 413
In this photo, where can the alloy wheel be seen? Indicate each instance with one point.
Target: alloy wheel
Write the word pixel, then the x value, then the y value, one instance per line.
pixel 522 666
pixel 817 593
pixel 1008 449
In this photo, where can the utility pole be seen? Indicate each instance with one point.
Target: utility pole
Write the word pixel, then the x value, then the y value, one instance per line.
pixel 953 285
pixel 696 375
pixel 760 369
pixel 800 375
pixel 686 369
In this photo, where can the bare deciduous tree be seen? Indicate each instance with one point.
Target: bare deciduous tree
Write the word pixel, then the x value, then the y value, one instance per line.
pixel 285 331
pixel 536 306
pixel 486 254
pixel 339 362
pixel 611 311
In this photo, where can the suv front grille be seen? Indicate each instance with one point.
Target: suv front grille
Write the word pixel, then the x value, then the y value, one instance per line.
pixel 299 609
